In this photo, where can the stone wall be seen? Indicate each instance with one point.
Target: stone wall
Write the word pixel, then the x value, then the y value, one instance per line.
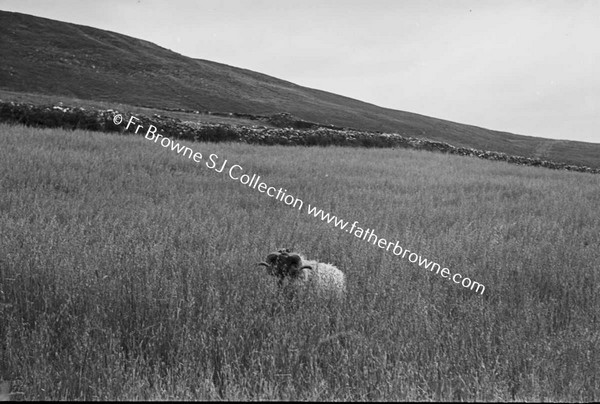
pixel 291 131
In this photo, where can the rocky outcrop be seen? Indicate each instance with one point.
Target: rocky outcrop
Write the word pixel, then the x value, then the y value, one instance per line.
pixel 291 131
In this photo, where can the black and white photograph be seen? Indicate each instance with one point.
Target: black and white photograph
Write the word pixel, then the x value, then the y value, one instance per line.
pixel 300 200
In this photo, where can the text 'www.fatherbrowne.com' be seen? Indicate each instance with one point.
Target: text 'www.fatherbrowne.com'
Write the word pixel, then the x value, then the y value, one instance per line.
pixel 369 236
pixel 236 173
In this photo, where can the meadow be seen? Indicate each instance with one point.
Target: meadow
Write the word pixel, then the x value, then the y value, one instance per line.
pixel 128 272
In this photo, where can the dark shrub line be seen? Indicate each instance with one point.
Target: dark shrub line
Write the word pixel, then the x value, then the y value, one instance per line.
pixel 290 131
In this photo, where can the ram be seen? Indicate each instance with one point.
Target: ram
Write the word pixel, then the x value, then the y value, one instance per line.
pixel 298 275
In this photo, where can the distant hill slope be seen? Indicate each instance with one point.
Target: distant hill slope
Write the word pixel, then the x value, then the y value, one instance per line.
pixel 45 56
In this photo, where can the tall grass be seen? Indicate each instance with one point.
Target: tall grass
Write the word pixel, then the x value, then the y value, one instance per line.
pixel 127 272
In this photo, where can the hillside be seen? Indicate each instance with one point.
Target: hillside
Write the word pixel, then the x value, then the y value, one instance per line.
pixel 55 58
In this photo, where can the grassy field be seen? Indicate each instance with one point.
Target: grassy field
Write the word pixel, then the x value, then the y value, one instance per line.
pixel 128 272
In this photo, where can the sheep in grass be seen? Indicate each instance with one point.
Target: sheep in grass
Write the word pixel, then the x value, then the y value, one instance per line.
pixel 295 273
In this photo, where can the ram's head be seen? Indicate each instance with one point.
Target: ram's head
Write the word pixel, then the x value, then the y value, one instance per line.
pixel 284 263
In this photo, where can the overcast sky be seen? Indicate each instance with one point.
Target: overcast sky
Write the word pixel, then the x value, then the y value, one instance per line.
pixel 527 67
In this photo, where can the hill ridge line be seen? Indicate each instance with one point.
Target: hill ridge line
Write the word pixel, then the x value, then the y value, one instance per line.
pixel 55 58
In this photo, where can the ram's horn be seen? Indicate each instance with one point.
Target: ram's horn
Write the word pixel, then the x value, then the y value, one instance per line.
pixel 306 266
pixel 263 264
